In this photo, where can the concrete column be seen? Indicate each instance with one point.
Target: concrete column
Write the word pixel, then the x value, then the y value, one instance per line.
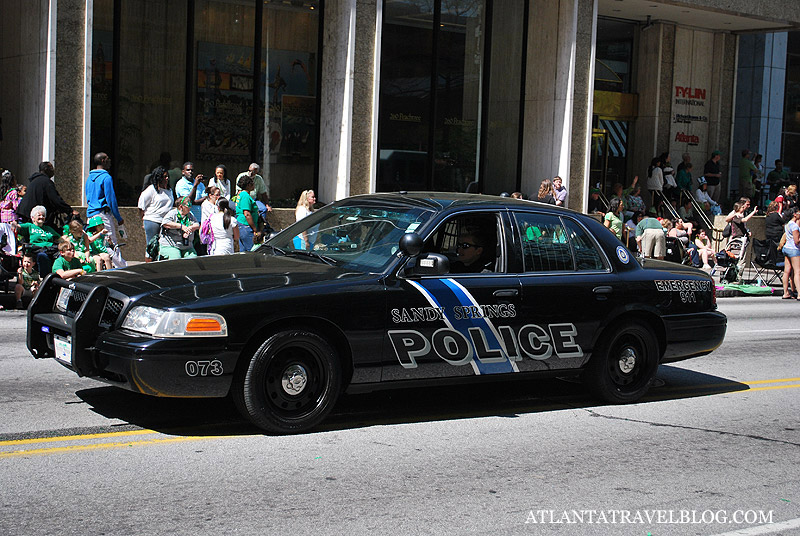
pixel 71 99
pixel 337 100
pixel 760 81
pixel 364 143
pixel 651 128
pixel 550 74
pixel 23 58
pixel 720 131
pixel 577 182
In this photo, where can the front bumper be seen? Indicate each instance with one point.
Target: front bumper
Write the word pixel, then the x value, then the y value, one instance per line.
pixel 693 335
pixel 185 367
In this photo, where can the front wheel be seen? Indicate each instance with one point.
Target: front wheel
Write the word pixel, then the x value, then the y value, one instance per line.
pixel 290 383
pixel 624 365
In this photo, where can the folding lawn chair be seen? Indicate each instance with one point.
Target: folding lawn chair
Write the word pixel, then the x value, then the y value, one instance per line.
pixel 767 262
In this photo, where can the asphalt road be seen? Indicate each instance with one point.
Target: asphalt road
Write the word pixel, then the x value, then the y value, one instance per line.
pixel 713 449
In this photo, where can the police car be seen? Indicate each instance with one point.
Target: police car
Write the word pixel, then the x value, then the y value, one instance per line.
pixel 379 291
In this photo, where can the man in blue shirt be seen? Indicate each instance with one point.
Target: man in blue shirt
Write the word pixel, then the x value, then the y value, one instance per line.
pixel 194 189
pixel 102 201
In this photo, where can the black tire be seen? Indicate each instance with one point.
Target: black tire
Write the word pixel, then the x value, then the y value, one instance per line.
pixel 264 395
pixel 624 365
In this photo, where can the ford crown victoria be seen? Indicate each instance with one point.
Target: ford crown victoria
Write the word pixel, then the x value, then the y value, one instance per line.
pixel 379 291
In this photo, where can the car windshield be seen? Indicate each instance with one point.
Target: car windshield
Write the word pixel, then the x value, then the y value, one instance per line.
pixel 357 237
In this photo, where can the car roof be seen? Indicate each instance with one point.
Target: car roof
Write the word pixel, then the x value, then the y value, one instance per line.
pixel 440 201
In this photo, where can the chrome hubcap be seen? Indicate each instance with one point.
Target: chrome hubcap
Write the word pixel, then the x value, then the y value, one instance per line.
pixel 294 379
pixel 627 360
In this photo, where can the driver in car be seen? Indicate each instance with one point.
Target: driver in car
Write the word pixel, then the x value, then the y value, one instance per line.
pixel 470 250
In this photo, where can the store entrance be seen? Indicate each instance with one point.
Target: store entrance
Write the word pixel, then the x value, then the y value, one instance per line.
pixel 609 155
pixel 599 161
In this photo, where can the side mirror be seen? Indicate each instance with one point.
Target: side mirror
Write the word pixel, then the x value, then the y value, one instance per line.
pixel 428 264
pixel 411 244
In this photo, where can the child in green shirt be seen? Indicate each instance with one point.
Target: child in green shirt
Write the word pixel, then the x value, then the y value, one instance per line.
pixel 28 280
pixel 99 243
pixel 91 260
pixel 67 265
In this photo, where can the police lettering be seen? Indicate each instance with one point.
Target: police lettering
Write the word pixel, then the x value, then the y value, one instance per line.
pixel 456 348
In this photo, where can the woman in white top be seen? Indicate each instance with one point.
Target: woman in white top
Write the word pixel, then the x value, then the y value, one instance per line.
pixel 305 206
pixel 225 228
pixel 220 180
pixel 209 206
pixel 154 203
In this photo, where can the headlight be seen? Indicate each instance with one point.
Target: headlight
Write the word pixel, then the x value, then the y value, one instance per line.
pixel 63 297
pixel 160 323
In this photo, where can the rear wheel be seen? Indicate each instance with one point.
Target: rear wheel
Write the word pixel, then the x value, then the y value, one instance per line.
pixel 624 366
pixel 290 383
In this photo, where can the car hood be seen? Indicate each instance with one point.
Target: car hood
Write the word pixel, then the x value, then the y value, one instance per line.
pixel 184 281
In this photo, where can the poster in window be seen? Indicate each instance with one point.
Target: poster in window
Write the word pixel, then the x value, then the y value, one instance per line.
pixel 224 100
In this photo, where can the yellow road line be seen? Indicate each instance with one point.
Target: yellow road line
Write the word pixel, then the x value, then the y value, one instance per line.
pixel 75 437
pixel 774 381
pixel 97 446
pixel 772 387
pixel 728 384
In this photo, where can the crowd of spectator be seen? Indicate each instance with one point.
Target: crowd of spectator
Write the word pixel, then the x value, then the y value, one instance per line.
pixel 182 217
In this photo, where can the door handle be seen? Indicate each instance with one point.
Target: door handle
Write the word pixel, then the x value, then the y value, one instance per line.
pixel 506 293
pixel 602 293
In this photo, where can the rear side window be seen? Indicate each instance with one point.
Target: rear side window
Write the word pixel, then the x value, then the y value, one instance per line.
pixel 545 243
pixel 587 257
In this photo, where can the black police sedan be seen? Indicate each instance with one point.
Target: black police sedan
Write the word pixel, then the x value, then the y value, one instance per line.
pixel 378 291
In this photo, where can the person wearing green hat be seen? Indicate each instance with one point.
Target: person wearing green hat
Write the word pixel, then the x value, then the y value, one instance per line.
pixel 178 228
pixel 713 175
pixel 99 243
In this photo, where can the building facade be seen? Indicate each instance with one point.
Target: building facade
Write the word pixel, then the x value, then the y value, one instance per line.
pixel 357 96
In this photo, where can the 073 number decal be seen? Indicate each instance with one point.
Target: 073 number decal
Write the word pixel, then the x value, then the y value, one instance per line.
pixel 204 368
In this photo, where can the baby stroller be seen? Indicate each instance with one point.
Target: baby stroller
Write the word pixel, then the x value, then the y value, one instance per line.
pixel 729 258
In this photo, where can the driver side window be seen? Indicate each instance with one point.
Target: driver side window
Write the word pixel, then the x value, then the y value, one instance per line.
pixel 470 242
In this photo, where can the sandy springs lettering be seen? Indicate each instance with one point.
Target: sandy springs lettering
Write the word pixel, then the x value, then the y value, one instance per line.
pixel 460 312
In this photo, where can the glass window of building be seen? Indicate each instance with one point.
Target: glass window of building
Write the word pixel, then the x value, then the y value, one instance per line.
pixel 224 41
pixel 102 75
pixel 288 117
pixel 613 55
pixel 150 104
pixel 405 95
pixel 436 96
pixel 791 121
pixel 270 119
pixel 614 106
pixel 209 81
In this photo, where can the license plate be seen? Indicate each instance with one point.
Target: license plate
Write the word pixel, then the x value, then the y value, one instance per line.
pixel 63 347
